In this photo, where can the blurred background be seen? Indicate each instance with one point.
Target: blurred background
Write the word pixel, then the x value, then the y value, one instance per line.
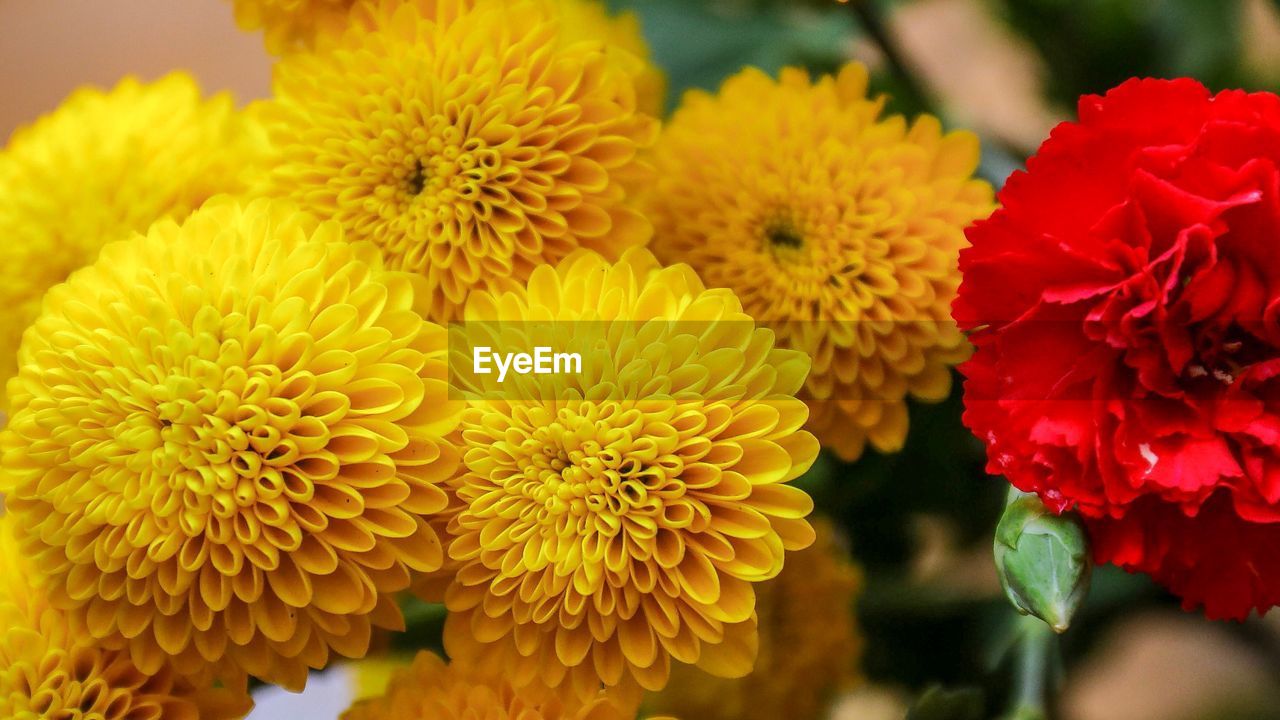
pixel 919 522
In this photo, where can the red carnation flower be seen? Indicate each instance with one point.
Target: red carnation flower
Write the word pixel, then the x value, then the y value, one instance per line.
pixel 1125 307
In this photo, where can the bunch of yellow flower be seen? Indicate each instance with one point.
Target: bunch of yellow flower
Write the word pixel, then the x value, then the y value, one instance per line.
pixel 432 689
pixel 470 141
pixel 50 669
pixel 225 440
pixel 106 165
pixel 839 229
pixel 610 522
pixel 293 25
pixel 290 25
pixel 809 645
pixel 239 427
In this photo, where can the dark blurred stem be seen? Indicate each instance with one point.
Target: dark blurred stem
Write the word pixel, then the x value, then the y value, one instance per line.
pixel 869 16
pixel 1258 639
pixel 1034 683
pixel 998 159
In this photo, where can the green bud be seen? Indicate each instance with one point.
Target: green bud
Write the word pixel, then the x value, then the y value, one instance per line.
pixel 1043 560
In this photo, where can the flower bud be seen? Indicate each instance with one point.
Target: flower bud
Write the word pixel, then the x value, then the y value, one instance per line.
pixel 1043 560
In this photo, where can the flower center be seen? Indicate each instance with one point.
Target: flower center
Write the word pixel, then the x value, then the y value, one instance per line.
pixel 578 477
pixel 448 172
pixel 585 483
pixel 222 448
pixel 417 178
pixel 1222 355
pixel 783 235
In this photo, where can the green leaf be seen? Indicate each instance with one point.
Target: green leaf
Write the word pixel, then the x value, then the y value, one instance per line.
pixel 1090 46
pixel 424 625
pixel 699 44
pixel 1201 39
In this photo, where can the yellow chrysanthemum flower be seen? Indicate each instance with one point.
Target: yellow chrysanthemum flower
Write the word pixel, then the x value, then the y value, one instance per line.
pixel 613 520
pixel 590 21
pixel 101 167
pixel 291 25
pixel 471 141
pixel 809 645
pixel 225 440
pixel 430 689
pixel 838 228
pixel 49 669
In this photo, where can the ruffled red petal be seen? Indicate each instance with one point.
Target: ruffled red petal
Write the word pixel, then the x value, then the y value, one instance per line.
pixel 1124 303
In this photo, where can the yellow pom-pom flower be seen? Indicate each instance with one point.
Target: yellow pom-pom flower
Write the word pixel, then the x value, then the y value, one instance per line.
pixel 290 25
pixel 610 521
pixel 809 645
pixel 836 227
pixel 101 167
pixel 590 21
pixel 225 442
pixel 471 141
pixel 50 669
pixel 430 689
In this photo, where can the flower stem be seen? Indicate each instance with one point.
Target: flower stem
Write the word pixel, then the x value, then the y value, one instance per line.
pixel 1034 671
pixel 872 22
